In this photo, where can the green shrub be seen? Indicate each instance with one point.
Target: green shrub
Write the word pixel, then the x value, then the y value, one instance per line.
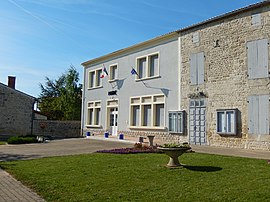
pixel 22 140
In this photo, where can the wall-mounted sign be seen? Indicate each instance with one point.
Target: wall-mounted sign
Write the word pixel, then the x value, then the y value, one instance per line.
pixel 114 92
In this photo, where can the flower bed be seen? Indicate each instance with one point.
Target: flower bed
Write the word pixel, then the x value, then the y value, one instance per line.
pixel 138 148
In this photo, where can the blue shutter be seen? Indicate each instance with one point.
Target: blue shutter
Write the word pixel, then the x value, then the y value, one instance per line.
pixel 262 58
pixel 256 19
pixel 253 115
pixel 193 69
pixel 252 59
pixel 200 66
pixel 263 114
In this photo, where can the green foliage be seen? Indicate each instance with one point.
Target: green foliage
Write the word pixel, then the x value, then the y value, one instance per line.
pixel 2 143
pixel 21 140
pixel 144 177
pixel 61 99
pixel 176 145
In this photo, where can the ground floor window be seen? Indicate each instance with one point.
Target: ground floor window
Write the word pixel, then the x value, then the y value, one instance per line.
pixel 147 111
pixel 93 115
pixel 176 121
pixel 226 121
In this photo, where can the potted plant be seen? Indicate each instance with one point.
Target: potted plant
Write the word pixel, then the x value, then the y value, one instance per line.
pixel 174 150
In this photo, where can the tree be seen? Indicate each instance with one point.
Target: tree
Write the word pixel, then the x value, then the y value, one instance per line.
pixel 61 99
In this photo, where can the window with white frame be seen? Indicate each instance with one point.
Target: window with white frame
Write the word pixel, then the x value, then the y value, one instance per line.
pixel 227 121
pixel 197 68
pixel 176 121
pixel 94 80
pixel 147 111
pixel 113 72
pixel 257 58
pixel 93 115
pixel 147 66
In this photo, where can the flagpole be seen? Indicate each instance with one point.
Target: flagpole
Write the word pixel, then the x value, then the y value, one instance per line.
pixel 133 70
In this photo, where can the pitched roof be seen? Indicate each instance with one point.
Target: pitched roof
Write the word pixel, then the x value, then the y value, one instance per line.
pixel 17 91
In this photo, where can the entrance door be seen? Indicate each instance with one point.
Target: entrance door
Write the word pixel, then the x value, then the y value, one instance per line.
pixel 113 120
pixel 197 122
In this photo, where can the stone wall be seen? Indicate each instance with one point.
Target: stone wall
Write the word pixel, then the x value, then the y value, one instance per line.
pixel 15 112
pixel 164 137
pixel 226 85
pixel 57 129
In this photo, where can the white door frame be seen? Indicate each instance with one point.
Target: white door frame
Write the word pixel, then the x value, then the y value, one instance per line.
pixel 112 115
pixel 113 121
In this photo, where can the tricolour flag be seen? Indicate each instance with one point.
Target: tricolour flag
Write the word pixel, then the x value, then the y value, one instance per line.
pixel 133 71
pixel 104 71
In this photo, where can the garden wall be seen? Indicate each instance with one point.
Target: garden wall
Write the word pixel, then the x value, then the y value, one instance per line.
pixel 57 129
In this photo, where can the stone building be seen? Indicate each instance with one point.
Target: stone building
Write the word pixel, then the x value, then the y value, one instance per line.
pixel 207 84
pixel 225 79
pixel 16 110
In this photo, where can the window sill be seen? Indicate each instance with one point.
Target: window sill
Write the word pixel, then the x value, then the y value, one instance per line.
pixel 147 127
pixel 112 80
pixel 93 126
pixel 224 133
pixel 148 78
pixel 95 88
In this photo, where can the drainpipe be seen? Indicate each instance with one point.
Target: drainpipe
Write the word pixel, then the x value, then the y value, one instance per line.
pixel 83 101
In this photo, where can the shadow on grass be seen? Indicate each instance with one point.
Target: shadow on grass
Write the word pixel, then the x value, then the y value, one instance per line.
pixel 15 157
pixel 203 168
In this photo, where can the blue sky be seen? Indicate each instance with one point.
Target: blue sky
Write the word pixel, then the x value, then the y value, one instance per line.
pixel 41 38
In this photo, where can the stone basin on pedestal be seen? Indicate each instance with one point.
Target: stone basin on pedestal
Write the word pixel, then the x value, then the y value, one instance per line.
pixel 174 153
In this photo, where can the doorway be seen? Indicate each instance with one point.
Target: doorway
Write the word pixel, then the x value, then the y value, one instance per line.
pixel 197 121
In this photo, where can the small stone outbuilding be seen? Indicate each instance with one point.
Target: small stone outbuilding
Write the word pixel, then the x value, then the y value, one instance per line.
pixel 16 111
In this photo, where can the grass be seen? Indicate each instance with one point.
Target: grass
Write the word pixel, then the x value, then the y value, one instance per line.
pixel 2 143
pixel 144 177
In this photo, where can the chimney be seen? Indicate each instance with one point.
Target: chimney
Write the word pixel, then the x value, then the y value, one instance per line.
pixel 11 81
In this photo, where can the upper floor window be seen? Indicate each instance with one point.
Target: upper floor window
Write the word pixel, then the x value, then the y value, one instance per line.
pixel 195 37
pixel 256 19
pixel 94 80
pixel 147 66
pixel 113 72
pixel 197 68
pixel 257 58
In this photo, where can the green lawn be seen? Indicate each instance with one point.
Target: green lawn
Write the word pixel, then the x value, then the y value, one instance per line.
pixel 143 177
pixel 2 143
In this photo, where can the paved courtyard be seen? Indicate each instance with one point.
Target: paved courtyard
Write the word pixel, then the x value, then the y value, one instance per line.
pixel 57 148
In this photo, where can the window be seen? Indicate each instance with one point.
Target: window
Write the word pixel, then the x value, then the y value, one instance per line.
pixel 113 72
pixel 176 121
pixel 95 78
pixel 256 19
pixel 257 54
pixel 258 114
pixel 226 121
pixel 197 68
pixel 94 112
pixel 196 37
pixel 148 66
pixel 147 111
